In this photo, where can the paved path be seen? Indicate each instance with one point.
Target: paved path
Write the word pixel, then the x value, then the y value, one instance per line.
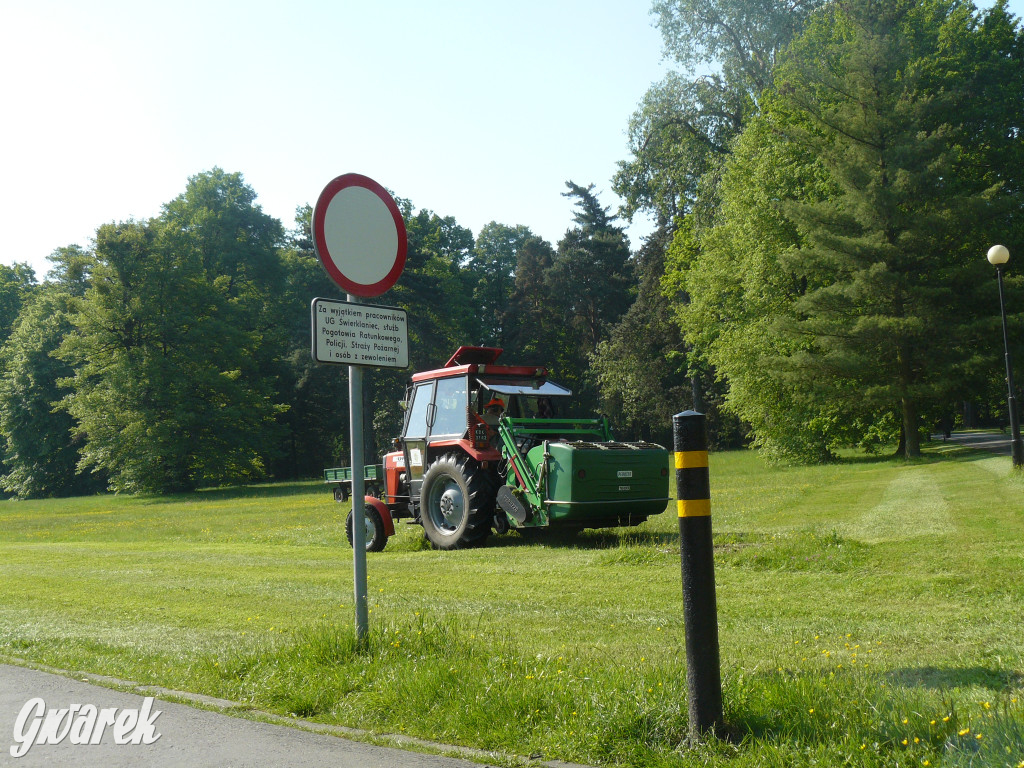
pixel 188 737
pixel 994 442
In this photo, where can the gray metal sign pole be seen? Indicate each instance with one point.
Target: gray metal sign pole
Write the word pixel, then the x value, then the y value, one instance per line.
pixel 355 412
pixel 360 240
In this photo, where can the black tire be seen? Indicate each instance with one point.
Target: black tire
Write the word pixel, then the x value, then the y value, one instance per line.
pixel 456 502
pixel 376 536
pixel 340 493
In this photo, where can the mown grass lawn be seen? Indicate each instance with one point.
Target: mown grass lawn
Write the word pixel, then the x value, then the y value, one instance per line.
pixel 870 613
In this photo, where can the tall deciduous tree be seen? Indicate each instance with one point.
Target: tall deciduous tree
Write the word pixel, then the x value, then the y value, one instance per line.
pixel 726 51
pixel 175 340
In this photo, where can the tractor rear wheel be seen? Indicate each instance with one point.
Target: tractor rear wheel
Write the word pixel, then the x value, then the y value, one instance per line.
pixel 456 503
pixel 376 537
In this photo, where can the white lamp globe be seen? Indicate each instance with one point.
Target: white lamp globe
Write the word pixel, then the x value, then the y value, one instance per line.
pixel 998 255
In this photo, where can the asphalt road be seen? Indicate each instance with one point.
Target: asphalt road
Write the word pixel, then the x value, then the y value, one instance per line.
pixel 994 442
pixel 187 737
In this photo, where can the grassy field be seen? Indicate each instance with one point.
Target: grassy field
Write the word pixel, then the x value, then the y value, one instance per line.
pixel 870 613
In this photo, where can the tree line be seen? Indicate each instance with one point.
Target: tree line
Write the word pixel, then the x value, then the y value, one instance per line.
pixel 175 352
pixel 825 177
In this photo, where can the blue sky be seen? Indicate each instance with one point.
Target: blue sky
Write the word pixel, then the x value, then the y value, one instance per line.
pixel 473 109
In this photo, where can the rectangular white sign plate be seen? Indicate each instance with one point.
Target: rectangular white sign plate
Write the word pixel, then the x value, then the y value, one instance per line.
pixel 360 334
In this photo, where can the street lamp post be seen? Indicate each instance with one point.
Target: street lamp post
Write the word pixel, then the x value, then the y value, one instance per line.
pixel 998 255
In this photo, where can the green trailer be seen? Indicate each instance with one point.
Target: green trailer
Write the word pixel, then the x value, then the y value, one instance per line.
pixel 341 480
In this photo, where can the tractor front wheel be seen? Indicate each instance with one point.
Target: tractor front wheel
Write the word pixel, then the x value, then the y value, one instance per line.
pixel 456 503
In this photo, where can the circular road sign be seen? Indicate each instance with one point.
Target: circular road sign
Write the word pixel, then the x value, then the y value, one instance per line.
pixel 359 235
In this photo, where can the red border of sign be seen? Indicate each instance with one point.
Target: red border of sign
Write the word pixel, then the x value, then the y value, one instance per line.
pixel 320 241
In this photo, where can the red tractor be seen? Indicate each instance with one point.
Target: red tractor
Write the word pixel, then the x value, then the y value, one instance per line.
pixel 484 448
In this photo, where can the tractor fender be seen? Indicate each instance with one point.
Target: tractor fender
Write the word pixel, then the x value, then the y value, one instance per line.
pixel 383 511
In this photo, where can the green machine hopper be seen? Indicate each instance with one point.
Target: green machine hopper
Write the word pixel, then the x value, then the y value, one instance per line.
pixel 571 474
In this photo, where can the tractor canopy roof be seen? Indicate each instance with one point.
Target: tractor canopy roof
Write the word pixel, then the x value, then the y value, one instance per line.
pixel 507 385
pixel 480 360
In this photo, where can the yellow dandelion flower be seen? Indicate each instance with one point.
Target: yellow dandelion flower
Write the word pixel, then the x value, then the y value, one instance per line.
pixel 810 711
pixel 963 731
pixel 904 742
pixel 905 721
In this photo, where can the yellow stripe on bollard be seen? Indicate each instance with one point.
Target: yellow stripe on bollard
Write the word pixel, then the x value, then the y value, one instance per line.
pixel 694 507
pixel 691 459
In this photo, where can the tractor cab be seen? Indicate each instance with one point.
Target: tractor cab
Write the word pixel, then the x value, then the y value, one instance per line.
pixel 457 407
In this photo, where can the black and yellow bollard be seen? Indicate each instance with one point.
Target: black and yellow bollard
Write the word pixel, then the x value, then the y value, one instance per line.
pixel 700 613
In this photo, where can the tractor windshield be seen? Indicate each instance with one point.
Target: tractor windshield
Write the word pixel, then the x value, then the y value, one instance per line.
pixel 524 398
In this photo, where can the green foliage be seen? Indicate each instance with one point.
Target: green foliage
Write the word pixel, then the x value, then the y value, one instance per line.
pixel 72 269
pixel 174 340
pixel 315 423
pixel 533 321
pixel 678 137
pixel 41 456
pixel 853 212
pixel 641 367
pixel 492 269
pixel 589 284
pixel 16 286
pixel 735 287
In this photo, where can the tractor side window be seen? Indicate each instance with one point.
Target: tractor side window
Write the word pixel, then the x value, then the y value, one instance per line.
pixel 452 399
pixel 417 425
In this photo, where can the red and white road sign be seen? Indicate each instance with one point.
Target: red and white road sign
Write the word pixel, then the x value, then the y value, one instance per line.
pixel 359 235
